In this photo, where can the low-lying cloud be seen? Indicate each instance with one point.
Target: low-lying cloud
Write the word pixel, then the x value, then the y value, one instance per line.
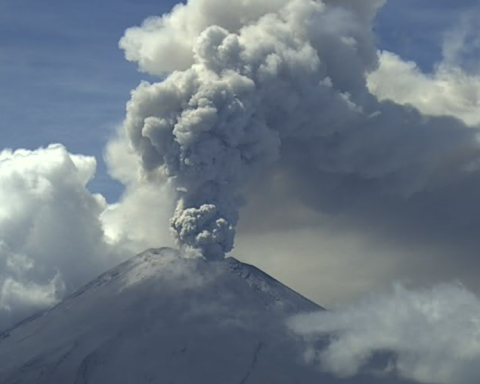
pixel 431 335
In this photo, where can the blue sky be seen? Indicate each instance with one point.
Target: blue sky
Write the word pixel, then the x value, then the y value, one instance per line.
pixel 414 29
pixel 63 78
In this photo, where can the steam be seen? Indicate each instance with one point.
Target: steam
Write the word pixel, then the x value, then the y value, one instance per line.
pixel 244 81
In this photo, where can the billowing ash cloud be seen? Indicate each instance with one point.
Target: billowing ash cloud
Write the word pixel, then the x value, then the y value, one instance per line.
pixel 430 335
pixel 247 85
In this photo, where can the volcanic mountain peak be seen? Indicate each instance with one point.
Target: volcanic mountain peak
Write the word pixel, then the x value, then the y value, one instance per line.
pixel 162 318
pixel 166 319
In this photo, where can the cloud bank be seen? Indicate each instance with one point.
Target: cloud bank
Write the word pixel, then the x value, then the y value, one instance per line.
pixel 55 235
pixel 431 335
pixel 51 239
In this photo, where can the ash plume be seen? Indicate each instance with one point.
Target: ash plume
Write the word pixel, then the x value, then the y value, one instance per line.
pixel 246 84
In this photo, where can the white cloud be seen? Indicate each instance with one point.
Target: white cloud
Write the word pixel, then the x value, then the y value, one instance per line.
pixel 50 234
pixel 140 219
pixel 20 298
pixel 432 335
pixel 448 91
pixel 55 235
pixel 453 88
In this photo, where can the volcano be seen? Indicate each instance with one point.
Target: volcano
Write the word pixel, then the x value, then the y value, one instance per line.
pixel 162 318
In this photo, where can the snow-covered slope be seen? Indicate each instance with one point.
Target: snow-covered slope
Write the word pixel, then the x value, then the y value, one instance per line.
pixel 160 318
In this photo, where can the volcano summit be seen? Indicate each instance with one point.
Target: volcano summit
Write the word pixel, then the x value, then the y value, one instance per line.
pixel 162 318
